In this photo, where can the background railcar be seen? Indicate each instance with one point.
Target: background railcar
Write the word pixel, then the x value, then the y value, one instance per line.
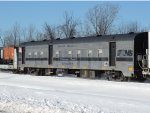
pixel 35 57
pixel 9 58
pixel 8 55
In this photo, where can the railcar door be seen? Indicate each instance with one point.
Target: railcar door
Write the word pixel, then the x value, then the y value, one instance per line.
pixel 112 53
pixel 50 54
pixel 23 55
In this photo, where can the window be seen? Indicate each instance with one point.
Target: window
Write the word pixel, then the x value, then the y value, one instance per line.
pixel 100 52
pixel 41 53
pixel 79 52
pixel 29 53
pixel 20 50
pixel 57 54
pixel 89 53
pixel 35 53
pixel 69 52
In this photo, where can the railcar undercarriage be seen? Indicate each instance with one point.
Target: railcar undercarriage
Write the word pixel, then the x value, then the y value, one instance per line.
pixel 111 75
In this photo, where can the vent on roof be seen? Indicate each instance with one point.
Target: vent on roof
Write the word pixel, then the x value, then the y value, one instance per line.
pixel 45 40
pixel 57 38
pixel 72 37
pixel 98 35
pixel 32 41
pixel 131 32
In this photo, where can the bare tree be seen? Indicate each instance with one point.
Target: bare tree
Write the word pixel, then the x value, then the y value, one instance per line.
pixel 101 17
pixel 87 30
pixel 15 34
pixel 8 38
pixel 50 32
pixel 24 34
pixel 40 36
pixel 12 37
pixel 1 39
pixel 59 33
pixel 69 26
pixel 133 27
pixel 128 27
pixel 30 33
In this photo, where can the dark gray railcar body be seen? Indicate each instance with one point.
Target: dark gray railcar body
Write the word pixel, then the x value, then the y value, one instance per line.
pixel 35 54
pixel 113 52
pixel 98 53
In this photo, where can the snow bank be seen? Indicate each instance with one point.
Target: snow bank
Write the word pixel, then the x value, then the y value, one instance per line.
pixel 18 100
pixel 45 94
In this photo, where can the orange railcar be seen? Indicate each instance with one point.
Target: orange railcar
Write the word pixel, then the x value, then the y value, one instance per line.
pixel 8 53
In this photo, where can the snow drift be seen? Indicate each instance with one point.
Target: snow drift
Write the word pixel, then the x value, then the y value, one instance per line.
pixel 45 94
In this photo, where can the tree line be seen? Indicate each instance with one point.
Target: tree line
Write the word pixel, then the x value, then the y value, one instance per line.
pixel 99 20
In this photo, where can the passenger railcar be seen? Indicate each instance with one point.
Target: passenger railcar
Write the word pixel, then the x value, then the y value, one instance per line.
pixel 35 57
pixel 115 56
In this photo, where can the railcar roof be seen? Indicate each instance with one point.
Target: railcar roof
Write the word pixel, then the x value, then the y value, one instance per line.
pixel 115 37
pixel 36 42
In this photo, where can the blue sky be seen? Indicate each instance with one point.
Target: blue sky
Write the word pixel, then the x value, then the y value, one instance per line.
pixel 37 13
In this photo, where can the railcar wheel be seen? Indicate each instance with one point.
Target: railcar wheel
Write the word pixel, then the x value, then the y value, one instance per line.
pixel 60 72
pixel 120 77
pixel 141 79
pixel 15 71
pixel 115 76
pixel 25 71
pixel 109 78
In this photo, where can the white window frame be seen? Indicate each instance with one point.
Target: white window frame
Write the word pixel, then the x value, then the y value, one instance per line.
pixel 57 54
pixel 90 53
pixel 35 53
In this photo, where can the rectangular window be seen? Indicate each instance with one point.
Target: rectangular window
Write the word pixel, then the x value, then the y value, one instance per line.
pixel 41 53
pixel 78 53
pixel 57 54
pixel 99 52
pixel 70 53
pixel 35 53
pixel 89 53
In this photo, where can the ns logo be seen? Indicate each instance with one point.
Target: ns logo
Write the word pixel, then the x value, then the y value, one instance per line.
pixel 122 53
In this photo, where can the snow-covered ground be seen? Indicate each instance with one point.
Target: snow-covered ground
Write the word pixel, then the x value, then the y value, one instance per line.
pixel 46 94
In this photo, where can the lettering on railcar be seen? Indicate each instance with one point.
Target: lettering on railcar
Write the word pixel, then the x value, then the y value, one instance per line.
pixel 67 46
pixel 124 53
